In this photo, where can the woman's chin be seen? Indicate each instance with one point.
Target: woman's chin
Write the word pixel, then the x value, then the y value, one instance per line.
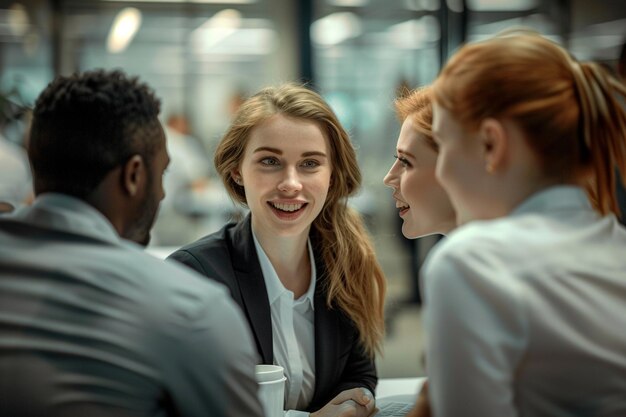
pixel 409 232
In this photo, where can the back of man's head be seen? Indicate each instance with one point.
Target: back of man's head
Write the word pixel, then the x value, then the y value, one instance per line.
pixel 87 124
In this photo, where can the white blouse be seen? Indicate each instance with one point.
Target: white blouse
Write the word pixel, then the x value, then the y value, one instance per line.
pixel 293 333
pixel 526 315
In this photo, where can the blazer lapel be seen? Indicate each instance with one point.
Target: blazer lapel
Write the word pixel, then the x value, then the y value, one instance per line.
pixel 326 339
pixel 252 287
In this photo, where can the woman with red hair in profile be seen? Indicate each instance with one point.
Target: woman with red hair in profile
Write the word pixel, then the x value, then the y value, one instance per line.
pixel 525 302
pixel 422 203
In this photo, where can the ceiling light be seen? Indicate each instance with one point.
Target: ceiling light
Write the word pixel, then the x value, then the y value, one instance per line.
pixel 501 5
pixel 217 28
pixel 455 5
pixel 18 19
pixel 188 1
pixel 335 28
pixel 123 30
pixel 422 5
pixel 224 35
pixel 243 42
pixel 348 3
pixel 415 33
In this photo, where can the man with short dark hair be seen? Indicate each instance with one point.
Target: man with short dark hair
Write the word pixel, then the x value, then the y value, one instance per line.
pixel 90 325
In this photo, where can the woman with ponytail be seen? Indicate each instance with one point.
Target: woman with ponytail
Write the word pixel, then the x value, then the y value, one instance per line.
pixel 525 302
pixel 301 265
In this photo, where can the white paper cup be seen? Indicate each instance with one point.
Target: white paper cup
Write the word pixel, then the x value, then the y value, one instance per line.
pixel 271 389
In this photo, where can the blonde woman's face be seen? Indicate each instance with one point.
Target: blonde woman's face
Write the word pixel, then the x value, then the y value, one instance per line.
pixel 422 203
pixel 286 176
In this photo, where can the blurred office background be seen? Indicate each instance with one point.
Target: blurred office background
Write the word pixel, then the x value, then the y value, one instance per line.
pixel 203 57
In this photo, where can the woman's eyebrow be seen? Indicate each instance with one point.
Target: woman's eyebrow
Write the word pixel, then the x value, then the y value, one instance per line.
pixel 314 153
pixel 405 153
pixel 268 149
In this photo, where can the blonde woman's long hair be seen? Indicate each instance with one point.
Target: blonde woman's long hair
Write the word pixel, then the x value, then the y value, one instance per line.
pixel 568 110
pixel 355 281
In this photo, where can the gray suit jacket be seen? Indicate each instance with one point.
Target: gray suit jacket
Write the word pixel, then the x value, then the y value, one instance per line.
pixel 92 326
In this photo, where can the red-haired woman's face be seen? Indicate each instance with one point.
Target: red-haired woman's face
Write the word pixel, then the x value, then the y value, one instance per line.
pixel 421 201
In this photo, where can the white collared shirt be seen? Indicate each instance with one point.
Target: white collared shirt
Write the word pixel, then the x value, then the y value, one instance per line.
pixel 293 332
pixel 526 313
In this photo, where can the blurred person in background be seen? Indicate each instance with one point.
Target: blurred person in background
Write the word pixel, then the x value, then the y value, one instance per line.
pixel 15 178
pixel 301 264
pixel 191 152
pixel 91 324
pixel 524 301
pixel 187 177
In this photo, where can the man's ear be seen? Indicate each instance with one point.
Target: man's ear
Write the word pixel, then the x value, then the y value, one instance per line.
pixel 134 174
pixel 495 144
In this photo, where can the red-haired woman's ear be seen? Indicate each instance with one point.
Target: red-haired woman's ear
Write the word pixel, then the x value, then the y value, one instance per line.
pixel 494 137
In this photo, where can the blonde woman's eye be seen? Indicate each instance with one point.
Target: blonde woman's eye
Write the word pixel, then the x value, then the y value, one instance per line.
pixel 310 163
pixel 270 161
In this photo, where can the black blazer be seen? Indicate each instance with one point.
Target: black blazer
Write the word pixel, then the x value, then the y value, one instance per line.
pixel 229 256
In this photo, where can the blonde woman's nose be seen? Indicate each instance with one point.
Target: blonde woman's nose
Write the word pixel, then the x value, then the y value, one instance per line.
pixel 290 181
